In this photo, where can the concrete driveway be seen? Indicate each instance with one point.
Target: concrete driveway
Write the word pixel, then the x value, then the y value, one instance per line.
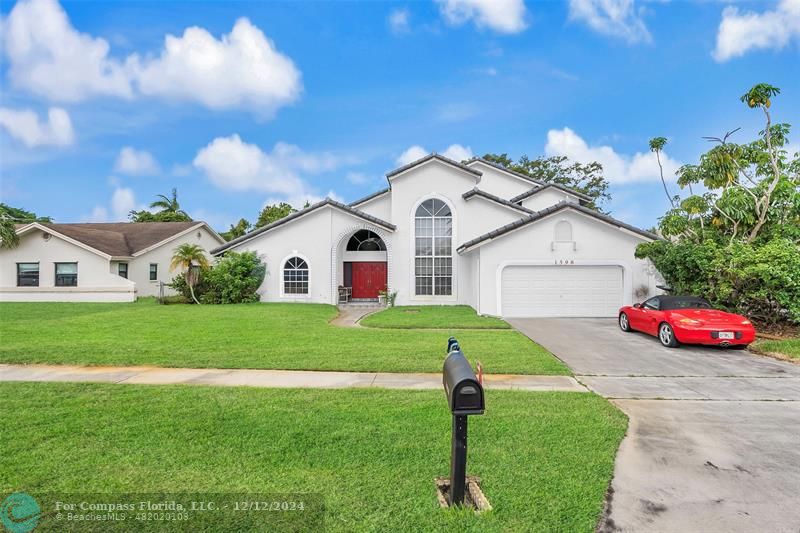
pixel 714 436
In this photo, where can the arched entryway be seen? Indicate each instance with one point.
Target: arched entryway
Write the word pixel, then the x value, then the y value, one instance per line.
pixel 364 264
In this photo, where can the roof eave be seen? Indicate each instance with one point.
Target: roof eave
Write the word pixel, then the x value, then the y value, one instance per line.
pixel 432 157
pixel 299 214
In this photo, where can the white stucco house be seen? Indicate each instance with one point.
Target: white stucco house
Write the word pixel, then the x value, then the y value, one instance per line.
pixel 449 233
pixel 95 262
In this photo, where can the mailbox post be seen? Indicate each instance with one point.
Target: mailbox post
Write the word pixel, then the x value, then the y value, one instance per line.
pixel 464 397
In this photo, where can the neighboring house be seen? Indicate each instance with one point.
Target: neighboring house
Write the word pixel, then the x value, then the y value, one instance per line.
pixel 448 233
pixel 114 262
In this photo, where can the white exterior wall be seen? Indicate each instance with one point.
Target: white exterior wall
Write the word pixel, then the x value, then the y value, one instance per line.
pixel 380 207
pixel 547 198
pixel 596 243
pixel 319 238
pixel 139 266
pixel 499 183
pixel 470 219
pixel 96 283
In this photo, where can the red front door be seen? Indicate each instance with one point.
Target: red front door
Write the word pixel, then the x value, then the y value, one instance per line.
pixel 368 279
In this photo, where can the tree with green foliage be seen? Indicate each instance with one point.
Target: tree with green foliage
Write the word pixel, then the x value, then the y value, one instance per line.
pixel 584 178
pixel 236 230
pixel 9 218
pixel 738 243
pixel 274 212
pixel 192 260
pixel 234 279
pixel 657 145
pixel 169 210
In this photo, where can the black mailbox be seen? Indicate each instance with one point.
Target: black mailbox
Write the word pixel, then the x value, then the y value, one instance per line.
pixel 464 392
pixel 464 397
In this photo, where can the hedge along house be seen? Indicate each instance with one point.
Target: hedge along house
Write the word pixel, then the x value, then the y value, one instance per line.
pixel 446 233
pixel 103 262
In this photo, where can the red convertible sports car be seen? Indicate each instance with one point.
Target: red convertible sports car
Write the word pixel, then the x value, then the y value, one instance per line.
pixel 686 319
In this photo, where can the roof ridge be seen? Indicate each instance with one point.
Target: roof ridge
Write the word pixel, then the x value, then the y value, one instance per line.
pixel 370 196
pixel 489 196
pixel 537 215
pixel 546 185
pixel 297 214
pixel 430 156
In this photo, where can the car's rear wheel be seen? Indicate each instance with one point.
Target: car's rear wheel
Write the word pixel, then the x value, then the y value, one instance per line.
pixel 624 323
pixel 667 336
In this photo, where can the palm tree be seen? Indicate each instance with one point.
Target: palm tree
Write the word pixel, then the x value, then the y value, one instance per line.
pixel 169 205
pixel 192 259
pixel 8 232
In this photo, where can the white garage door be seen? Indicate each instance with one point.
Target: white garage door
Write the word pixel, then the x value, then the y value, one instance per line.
pixel 554 291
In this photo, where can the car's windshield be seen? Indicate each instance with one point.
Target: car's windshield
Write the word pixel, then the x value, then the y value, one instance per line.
pixel 685 303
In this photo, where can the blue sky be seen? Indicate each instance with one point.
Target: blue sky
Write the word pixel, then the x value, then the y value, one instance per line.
pixel 101 110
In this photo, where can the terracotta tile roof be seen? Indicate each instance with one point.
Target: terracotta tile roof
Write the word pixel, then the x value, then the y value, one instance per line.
pixel 121 239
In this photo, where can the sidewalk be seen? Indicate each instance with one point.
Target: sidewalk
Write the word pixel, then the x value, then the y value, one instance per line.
pixel 142 375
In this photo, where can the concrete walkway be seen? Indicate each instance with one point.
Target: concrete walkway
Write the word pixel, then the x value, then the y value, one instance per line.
pixel 270 378
pixel 350 314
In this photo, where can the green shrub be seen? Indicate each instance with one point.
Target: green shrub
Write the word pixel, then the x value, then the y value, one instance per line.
pixel 179 284
pixel 760 280
pixel 234 279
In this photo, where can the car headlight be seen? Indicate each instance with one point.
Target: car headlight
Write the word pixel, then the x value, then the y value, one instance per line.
pixel 746 322
pixel 690 322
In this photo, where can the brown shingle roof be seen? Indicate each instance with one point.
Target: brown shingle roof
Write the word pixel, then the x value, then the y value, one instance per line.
pixel 121 238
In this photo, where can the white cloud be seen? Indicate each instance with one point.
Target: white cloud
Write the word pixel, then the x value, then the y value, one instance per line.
pixel 617 168
pixel 399 21
pixel 136 162
pixel 455 152
pixel 233 164
pixel 98 214
pixel 49 57
pixel 615 18
pixel 123 201
pixel 358 178
pixel 242 69
pixel 740 32
pixel 24 125
pixel 503 16
pixel 411 154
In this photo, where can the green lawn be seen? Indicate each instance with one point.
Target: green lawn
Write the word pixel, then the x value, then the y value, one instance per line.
pixel 277 336
pixel 546 458
pixel 432 317
pixel 788 347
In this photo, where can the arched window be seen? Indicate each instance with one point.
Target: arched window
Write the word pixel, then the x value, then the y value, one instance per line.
pixel 433 256
pixel 563 231
pixel 295 276
pixel 365 241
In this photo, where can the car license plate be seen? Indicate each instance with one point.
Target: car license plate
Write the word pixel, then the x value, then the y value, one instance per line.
pixel 725 334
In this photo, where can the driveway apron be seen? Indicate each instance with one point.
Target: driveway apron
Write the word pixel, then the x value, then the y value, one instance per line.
pixel 713 438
